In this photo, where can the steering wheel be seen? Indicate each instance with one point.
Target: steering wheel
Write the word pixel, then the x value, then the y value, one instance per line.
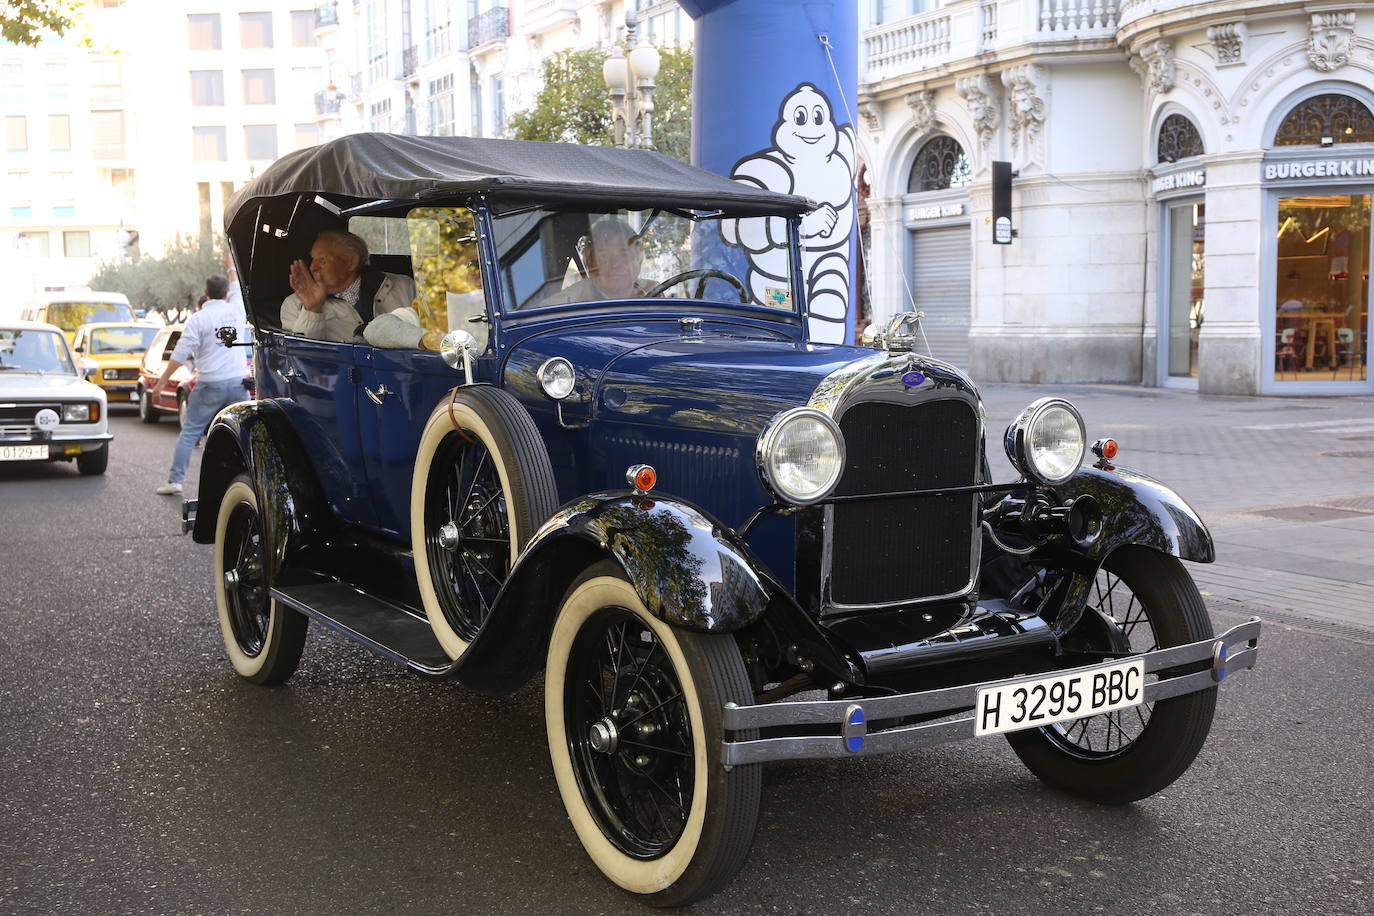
pixel 703 273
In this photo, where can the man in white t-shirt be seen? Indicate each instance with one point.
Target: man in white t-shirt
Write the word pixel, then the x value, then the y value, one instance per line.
pixel 219 369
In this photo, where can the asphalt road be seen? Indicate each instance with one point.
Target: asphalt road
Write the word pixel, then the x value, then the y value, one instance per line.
pixel 139 775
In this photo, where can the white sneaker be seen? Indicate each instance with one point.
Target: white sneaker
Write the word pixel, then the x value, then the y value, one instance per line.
pixel 168 489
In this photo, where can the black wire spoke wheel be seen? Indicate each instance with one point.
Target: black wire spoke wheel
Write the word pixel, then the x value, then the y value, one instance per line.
pixel 467 532
pixel 1112 733
pixel 245 585
pixel 262 638
pixel 633 708
pixel 630 734
pixel 482 486
pixel 1145 600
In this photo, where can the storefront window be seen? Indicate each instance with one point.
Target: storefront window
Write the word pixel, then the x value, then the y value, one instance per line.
pixel 1322 309
pixel 1187 306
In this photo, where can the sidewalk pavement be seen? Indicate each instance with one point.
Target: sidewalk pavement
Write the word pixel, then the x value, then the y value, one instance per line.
pixel 1286 486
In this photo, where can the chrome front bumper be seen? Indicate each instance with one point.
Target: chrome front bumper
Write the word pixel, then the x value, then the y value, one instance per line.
pixel 1237 648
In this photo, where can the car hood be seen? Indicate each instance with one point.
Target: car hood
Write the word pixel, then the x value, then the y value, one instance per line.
pixel 28 386
pixel 724 378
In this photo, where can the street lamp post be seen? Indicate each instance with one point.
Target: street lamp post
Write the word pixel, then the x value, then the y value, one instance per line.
pixel 631 82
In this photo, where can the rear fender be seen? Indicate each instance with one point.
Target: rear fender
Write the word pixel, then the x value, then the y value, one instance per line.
pixel 256 438
pixel 688 569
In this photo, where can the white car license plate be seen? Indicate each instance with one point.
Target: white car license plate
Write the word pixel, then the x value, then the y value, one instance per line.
pixel 1013 705
pixel 133 395
pixel 23 452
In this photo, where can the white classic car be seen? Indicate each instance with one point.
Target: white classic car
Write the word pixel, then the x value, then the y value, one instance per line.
pixel 48 412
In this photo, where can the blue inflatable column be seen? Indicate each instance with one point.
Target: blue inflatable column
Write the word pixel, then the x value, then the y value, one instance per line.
pixel 773 99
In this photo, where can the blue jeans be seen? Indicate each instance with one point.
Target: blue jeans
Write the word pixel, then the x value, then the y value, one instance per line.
pixel 207 399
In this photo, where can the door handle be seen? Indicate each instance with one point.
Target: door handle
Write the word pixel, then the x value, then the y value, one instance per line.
pixel 380 394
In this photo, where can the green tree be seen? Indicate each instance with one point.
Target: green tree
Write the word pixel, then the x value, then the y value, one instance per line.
pixel 574 107
pixel 168 284
pixel 24 22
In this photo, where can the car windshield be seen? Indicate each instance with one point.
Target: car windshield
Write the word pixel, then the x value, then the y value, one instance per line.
pixel 121 340
pixel 556 257
pixel 34 351
pixel 71 315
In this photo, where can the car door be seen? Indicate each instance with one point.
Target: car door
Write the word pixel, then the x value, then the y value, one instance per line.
pixel 315 382
pixel 396 393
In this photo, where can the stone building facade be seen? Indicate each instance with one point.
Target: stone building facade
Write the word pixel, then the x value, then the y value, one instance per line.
pixel 1192 190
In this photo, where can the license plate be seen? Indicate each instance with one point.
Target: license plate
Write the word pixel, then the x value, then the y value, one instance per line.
pixel 1019 704
pixel 133 395
pixel 23 452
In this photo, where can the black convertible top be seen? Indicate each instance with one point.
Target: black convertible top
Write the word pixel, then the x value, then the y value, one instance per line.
pixel 367 167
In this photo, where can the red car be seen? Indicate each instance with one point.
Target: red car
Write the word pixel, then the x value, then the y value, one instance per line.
pixel 173 397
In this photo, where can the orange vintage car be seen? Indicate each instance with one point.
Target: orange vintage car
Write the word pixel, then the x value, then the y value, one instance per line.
pixel 111 353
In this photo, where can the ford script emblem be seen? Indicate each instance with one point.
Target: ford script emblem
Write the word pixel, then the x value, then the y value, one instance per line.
pixel 913 378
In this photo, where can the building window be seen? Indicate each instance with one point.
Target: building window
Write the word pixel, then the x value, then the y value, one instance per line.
pixel 209 144
pixel 375 16
pixel 436 28
pixel 260 141
pixel 207 87
pixel 255 30
pixel 475 101
pixel 35 244
pixel 59 132
pixel 1178 139
pixel 1324 120
pixel 441 106
pixel 21 208
pixel 307 134
pixel 940 164
pixel 498 105
pixel 302 28
pixel 16 133
pixel 76 243
pixel 380 116
pixel 204 31
pixel 107 134
pixel 122 183
pixel 259 87
pixel 105 79
pixel 1322 288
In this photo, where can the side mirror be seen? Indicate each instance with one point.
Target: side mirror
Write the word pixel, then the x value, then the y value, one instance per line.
pixel 456 349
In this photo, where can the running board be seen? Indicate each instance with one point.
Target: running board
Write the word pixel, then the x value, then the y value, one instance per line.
pixel 385 628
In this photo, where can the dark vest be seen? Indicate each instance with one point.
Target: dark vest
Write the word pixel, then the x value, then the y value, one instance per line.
pixel 367 296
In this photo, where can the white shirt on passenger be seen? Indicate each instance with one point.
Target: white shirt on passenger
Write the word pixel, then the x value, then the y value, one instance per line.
pixel 214 361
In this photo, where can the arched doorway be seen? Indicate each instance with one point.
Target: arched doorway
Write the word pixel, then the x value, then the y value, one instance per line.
pixel 940 266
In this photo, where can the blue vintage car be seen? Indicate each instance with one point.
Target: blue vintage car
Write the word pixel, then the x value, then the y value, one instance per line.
pixel 628 467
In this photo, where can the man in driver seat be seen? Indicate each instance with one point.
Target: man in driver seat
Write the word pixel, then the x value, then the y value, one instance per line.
pixel 338 292
pixel 613 261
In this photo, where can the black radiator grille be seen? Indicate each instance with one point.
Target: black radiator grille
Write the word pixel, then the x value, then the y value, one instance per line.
pixel 23 414
pixel 891 550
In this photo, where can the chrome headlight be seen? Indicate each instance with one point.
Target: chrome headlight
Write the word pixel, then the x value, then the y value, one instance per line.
pixel 556 378
pixel 801 455
pixel 80 413
pixel 1047 441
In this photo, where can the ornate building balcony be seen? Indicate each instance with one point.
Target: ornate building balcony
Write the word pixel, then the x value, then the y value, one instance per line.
pixel 547 15
pixel 967 29
pixel 489 27
pixel 326 17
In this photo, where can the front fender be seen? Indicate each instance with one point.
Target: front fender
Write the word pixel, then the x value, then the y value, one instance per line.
pixel 688 569
pixel 256 438
pixel 1136 510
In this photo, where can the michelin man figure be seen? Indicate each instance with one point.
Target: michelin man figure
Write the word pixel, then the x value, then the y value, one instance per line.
pixel 813 157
